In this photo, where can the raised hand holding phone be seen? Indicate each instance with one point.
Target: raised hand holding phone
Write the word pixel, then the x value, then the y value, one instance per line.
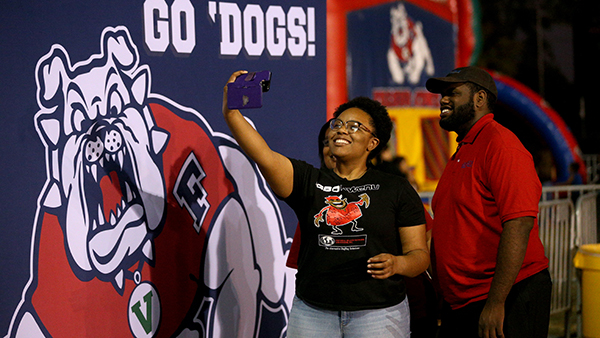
pixel 247 89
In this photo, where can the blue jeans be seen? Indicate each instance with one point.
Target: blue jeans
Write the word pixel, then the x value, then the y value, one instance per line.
pixel 307 321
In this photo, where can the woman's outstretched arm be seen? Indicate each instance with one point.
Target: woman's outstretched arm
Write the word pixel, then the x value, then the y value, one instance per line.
pixel 276 168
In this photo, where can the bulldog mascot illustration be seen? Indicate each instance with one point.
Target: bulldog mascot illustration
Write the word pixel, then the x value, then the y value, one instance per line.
pixel 148 223
pixel 409 54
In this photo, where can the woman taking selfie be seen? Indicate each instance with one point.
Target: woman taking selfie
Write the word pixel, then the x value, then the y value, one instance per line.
pixel 361 229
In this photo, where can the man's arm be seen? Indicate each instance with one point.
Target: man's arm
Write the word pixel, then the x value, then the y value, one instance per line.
pixel 511 253
pixel 276 168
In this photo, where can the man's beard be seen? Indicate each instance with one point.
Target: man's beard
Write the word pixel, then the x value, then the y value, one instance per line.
pixel 459 117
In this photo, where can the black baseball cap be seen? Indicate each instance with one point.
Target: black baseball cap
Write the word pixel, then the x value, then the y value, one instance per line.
pixel 464 74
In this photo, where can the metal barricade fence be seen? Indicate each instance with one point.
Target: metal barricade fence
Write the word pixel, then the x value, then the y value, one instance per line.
pixel 561 247
pixel 587 219
pixel 557 231
pixel 587 233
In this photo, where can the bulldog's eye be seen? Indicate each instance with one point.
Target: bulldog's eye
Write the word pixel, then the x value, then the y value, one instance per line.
pixel 115 104
pixel 77 116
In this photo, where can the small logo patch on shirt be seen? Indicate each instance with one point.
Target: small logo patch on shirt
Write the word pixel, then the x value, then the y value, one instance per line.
pixel 343 242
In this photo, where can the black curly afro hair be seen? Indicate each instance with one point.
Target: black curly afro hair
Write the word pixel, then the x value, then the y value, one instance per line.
pixel 380 119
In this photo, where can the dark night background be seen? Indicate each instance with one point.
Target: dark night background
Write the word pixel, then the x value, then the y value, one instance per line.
pixel 552 47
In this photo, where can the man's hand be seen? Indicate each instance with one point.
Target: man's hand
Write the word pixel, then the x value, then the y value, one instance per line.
pixel 511 252
pixel 491 321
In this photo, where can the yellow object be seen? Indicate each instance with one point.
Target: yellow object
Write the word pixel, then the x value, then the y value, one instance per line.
pixel 588 259
pixel 408 140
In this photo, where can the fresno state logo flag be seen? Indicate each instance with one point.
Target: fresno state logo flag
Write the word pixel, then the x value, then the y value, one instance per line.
pixel 147 223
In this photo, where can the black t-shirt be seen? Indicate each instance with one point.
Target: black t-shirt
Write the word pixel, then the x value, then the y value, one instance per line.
pixel 343 224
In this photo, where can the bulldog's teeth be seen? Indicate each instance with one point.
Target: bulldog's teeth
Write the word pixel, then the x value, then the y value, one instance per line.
pixel 120 156
pixel 87 168
pixel 129 193
pixel 107 156
pixel 119 279
pixel 124 150
pixel 123 204
pixel 118 211
pixel 147 250
pixel 101 162
pixel 159 140
pixel 114 157
pixel 113 219
pixel 101 220
pixel 94 226
pixel 53 197
pixel 94 170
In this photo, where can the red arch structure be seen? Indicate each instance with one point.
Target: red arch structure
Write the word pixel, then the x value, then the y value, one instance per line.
pixel 464 16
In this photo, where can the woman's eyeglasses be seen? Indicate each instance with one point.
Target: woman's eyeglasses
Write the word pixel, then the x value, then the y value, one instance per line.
pixel 351 126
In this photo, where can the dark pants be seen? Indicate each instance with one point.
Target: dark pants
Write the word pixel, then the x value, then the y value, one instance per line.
pixel 526 312
pixel 423 302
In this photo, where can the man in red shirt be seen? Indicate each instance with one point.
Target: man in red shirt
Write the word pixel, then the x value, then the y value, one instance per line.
pixel 488 256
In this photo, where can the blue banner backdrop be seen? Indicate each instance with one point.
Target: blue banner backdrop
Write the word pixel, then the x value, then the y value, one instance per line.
pixel 128 208
pixel 398 46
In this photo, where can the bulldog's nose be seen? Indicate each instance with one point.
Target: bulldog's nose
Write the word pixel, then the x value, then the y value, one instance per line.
pixel 113 140
pixel 96 146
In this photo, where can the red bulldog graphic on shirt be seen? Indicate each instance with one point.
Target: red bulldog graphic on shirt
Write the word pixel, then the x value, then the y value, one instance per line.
pixel 339 212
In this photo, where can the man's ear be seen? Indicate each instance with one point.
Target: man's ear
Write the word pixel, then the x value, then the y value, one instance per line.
pixel 480 99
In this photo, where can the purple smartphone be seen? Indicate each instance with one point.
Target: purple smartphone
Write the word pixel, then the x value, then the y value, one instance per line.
pixel 246 91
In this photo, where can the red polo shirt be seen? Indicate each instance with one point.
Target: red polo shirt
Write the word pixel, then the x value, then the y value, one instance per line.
pixel 490 179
